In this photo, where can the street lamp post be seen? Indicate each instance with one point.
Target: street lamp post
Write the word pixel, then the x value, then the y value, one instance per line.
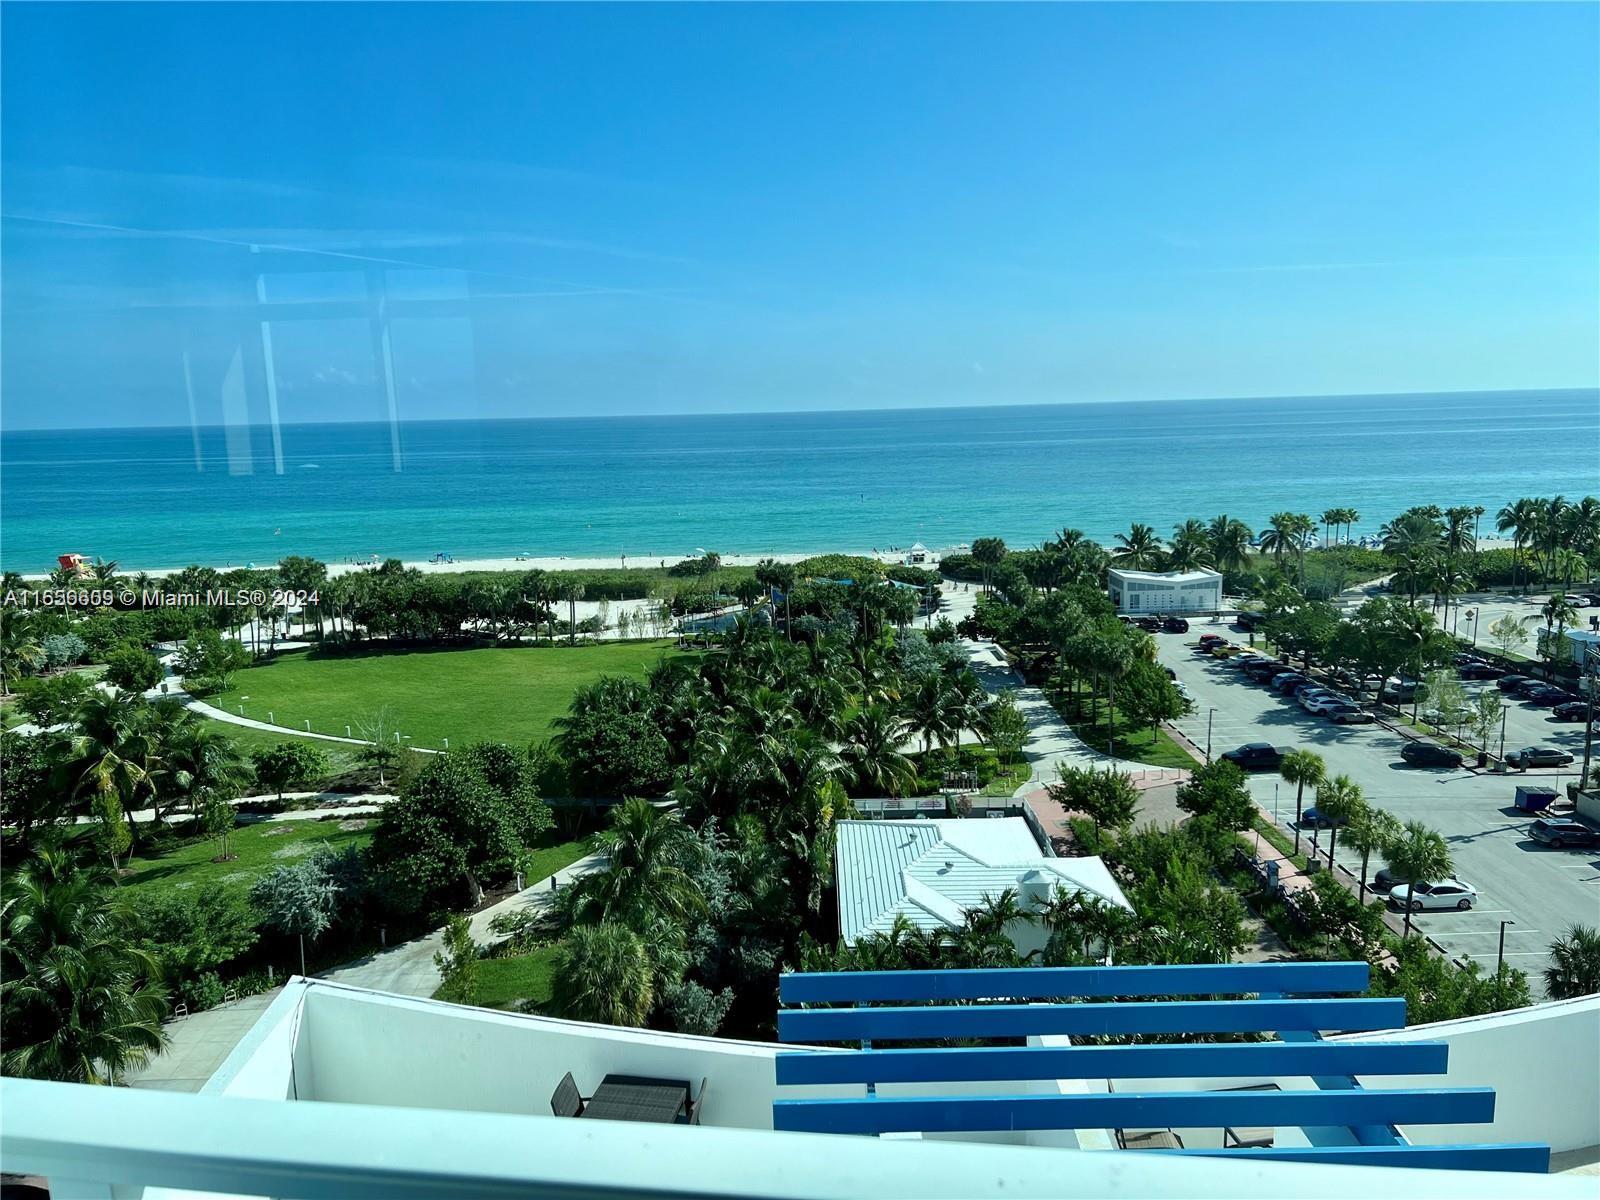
pixel 1500 958
pixel 1210 713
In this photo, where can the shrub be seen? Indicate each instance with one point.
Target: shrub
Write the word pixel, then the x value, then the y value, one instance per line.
pixel 289 764
pixel 133 668
pixel 63 649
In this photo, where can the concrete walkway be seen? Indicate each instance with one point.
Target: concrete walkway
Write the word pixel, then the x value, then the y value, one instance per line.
pixel 408 968
pixel 199 1044
pixel 1051 741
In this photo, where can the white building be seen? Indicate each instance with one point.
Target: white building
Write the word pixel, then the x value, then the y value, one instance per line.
pixel 1152 592
pixel 344 1092
pixel 932 871
pixel 1579 645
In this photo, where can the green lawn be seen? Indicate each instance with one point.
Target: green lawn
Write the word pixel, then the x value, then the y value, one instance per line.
pixel 1140 745
pixel 506 982
pixel 341 757
pixel 509 694
pixel 260 847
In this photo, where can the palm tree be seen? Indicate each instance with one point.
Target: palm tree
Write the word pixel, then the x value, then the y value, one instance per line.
pixel 603 974
pixel 20 651
pixel 930 713
pixel 1413 538
pixel 1339 799
pixel 572 592
pixel 1301 768
pixel 1459 541
pixel 197 762
pixel 82 1004
pixel 1418 855
pixel 104 571
pixel 1330 517
pixel 1137 548
pixel 1229 539
pixel 1519 519
pixel 1583 532
pixel 1574 968
pixel 110 757
pixel 1190 547
pixel 1281 535
pixel 1371 829
pixel 871 751
pixel 647 852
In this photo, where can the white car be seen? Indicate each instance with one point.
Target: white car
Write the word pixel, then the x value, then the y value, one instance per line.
pixel 1447 893
pixel 1321 702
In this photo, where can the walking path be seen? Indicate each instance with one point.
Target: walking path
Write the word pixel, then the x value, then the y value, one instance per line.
pixel 408 968
pixel 199 1044
pixel 362 803
pixel 1051 742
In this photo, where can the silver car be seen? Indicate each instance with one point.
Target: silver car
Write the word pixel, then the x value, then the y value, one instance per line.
pixel 1447 893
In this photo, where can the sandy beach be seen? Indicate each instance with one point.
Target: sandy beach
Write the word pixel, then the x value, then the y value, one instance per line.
pixel 548 563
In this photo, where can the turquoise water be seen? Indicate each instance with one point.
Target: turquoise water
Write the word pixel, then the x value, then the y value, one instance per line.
pixel 660 487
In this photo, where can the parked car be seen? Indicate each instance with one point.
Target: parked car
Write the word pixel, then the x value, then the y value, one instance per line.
pixel 1465 659
pixel 1571 710
pixel 1447 893
pixel 1175 625
pixel 1209 639
pixel 1266 669
pixel 1321 703
pixel 1510 683
pixel 1592 599
pixel 1315 818
pixel 1398 693
pixel 1445 716
pixel 1287 681
pixel 1548 697
pixel 1247 620
pixel 1430 754
pixel 1385 879
pixel 1302 690
pixel 1149 624
pixel 1480 670
pixel 1557 832
pixel 1255 756
pixel 1243 659
pixel 1347 714
pixel 1528 687
pixel 1538 756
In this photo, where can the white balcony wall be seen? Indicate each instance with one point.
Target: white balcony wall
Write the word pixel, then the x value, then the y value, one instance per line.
pixel 1542 1062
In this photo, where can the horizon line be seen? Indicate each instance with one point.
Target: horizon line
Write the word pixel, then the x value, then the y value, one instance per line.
pixel 788 412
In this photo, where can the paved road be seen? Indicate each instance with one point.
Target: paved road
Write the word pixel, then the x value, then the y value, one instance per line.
pixel 1543 891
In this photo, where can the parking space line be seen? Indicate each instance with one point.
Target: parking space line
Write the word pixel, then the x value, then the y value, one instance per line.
pixel 1510 954
pixel 1510 929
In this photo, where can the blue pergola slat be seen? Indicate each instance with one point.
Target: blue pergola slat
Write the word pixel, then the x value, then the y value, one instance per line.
pixel 1154 1016
pixel 1187 1110
pixel 1265 1059
pixel 1530 1157
pixel 1043 983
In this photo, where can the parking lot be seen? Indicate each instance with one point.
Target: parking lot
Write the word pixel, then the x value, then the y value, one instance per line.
pixel 1541 891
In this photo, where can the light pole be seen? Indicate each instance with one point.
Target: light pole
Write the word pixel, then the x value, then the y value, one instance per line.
pixel 1500 958
pixel 1503 713
pixel 1210 713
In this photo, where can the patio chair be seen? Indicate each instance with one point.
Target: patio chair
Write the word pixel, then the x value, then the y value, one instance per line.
pixel 567 1100
pixel 699 1104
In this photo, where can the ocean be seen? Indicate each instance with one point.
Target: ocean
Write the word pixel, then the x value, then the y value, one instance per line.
pixel 663 487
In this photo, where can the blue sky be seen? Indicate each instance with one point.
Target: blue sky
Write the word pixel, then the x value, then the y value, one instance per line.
pixel 616 209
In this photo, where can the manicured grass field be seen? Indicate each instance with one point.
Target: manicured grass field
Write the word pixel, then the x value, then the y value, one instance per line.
pixel 509 694
pixel 341 757
pixel 505 982
pixel 260 847
pixel 1140 744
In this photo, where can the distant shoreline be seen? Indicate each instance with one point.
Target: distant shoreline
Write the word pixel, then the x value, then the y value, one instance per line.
pixel 543 563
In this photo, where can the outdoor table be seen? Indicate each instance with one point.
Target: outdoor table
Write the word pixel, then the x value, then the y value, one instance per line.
pixel 637 1098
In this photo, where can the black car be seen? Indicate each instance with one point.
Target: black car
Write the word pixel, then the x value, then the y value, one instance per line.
pixel 1571 710
pixel 1287 681
pixel 1528 687
pixel 1428 754
pixel 1592 599
pixel 1548 697
pixel 1510 683
pixel 1175 625
pixel 1247 620
pixel 1148 624
pixel 1265 670
pixel 1557 832
pixel 1255 756
pixel 1480 670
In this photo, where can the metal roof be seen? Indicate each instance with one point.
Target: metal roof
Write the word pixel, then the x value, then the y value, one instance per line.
pixel 932 872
